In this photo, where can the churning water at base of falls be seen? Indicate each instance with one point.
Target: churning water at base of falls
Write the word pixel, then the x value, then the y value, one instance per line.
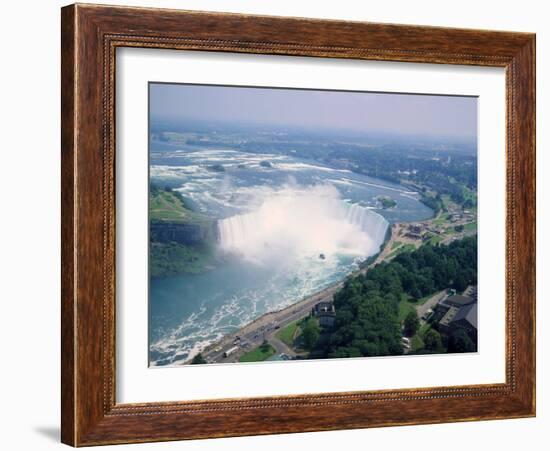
pixel 294 223
pixel 285 232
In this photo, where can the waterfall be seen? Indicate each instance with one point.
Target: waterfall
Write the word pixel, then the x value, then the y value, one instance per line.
pixel 303 223
pixel 233 231
pixel 370 222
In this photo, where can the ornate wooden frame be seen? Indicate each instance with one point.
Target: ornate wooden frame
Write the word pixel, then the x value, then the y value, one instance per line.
pixel 90 413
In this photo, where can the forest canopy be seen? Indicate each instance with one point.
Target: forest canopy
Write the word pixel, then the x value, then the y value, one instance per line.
pixel 367 306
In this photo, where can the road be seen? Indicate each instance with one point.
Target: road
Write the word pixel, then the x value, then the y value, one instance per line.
pixel 458 236
pixel 429 304
pixel 264 328
pixel 280 346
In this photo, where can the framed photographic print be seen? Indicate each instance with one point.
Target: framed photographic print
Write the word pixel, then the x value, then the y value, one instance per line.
pixel 279 225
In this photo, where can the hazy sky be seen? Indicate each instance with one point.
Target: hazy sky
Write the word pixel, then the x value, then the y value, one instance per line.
pixel 360 111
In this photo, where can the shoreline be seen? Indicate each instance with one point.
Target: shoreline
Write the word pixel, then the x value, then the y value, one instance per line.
pixel 270 322
pixel 267 325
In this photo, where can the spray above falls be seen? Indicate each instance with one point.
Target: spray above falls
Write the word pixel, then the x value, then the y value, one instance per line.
pixel 293 223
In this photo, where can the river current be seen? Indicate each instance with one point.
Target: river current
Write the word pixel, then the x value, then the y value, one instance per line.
pixel 287 228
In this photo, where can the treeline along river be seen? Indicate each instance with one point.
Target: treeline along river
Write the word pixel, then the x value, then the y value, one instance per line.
pixel 284 228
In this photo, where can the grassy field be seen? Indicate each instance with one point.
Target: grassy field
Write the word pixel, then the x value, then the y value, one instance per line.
pixel 405 307
pixel 434 239
pixel 169 206
pixel 258 354
pixel 396 244
pixel 289 333
pixel 407 247
pixel 468 227
pixel 441 219
pixel 423 329
pixel 471 226
pixel 164 205
pixel 170 258
pixel 417 343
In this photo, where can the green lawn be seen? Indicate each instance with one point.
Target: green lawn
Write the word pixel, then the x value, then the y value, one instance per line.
pixel 471 226
pixel 405 307
pixel 417 343
pixel 407 247
pixel 450 230
pixel 258 354
pixel 441 219
pixel 165 205
pixel 435 239
pixel 423 329
pixel 168 206
pixel 396 244
pixel 446 200
pixel 289 333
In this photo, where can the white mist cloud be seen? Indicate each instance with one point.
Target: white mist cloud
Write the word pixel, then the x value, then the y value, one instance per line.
pixel 292 223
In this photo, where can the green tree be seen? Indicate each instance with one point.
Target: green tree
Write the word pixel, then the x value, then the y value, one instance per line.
pixel 411 324
pixel 310 333
pixel 461 281
pixel 432 341
pixel 367 306
pixel 198 360
pixel 265 346
pixel 459 341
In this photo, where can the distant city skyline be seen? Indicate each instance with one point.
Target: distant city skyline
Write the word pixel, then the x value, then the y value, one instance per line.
pixel 403 114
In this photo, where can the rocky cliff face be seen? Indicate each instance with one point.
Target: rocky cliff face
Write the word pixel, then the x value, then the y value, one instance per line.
pixel 188 234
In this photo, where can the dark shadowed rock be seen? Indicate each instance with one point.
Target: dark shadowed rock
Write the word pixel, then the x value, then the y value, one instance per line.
pixel 189 234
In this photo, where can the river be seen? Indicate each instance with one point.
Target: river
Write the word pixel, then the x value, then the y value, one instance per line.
pixel 287 228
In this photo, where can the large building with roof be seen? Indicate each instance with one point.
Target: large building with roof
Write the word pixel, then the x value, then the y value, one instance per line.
pixel 459 312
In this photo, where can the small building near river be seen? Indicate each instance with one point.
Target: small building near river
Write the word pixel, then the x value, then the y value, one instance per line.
pixel 325 312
